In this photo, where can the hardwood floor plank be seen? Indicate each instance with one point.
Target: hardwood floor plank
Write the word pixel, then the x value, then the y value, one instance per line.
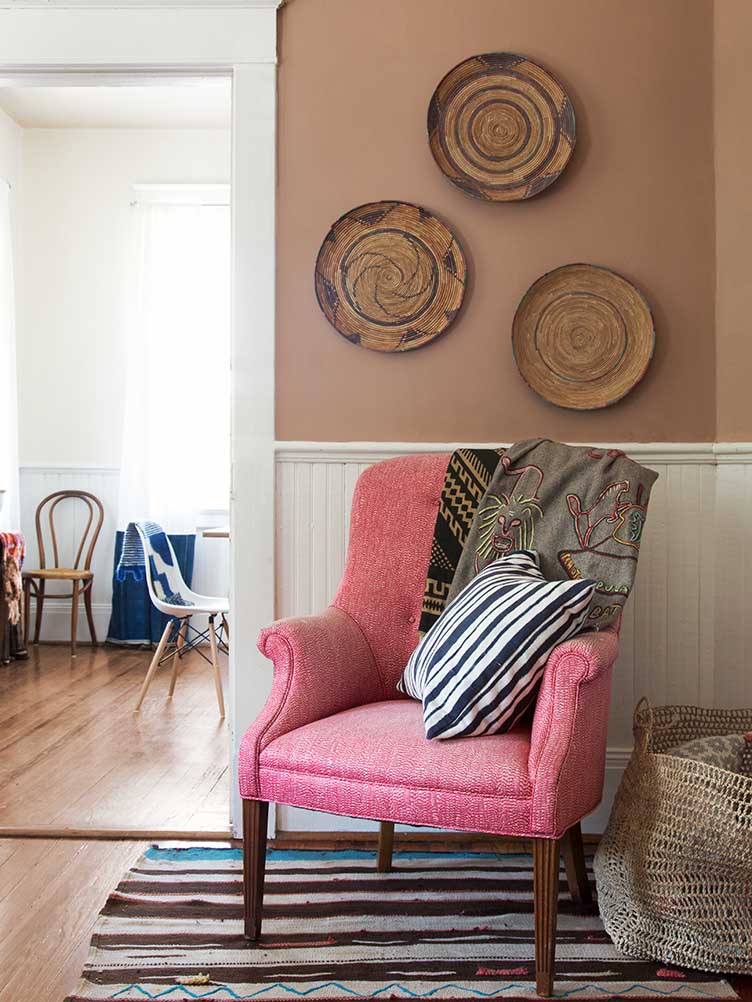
pixel 75 754
pixel 46 920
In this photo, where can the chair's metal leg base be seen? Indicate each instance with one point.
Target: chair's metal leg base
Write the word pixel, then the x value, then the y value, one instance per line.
pixel 255 819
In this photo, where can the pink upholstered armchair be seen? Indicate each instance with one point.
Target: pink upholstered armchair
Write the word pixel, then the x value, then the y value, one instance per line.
pixel 337 736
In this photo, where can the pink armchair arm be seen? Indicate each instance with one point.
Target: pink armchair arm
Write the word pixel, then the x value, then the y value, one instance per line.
pixel 568 741
pixel 322 665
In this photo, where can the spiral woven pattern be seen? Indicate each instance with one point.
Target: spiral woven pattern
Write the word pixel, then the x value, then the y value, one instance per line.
pixel 390 276
pixel 501 127
pixel 583 336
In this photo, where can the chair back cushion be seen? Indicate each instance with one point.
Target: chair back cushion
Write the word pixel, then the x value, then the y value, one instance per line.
pixel 391 532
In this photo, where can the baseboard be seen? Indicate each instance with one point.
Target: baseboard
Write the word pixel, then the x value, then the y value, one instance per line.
pixel 56 620
pixel 112 834
pixel 408 841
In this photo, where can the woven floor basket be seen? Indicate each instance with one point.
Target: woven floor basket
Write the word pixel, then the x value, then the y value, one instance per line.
pixel 674 868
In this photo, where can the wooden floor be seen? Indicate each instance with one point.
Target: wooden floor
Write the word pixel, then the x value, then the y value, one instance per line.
pixel 74 754
pixel 50 895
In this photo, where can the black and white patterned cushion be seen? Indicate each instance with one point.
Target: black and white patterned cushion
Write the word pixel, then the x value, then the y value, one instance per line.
pixel 478 668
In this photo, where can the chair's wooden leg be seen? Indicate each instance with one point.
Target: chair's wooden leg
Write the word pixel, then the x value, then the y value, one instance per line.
pixel 215 667
pixel 574 862
pixel 386 842
pixel 546 895
pixel 181 635
pixel 178 654
pixel 74 619
pixel 255 817
pixel 89 612
pixel 40 607
pixel 154 663
pixel 26 611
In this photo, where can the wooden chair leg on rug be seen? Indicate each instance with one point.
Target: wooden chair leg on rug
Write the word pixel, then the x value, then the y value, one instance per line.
pixel 154 663
pixel 546 897
pixel 574 863
pixel 386 843
pixel 90 612
pixel 255 818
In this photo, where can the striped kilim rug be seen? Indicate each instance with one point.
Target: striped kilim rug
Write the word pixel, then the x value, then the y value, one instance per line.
pixel 438 927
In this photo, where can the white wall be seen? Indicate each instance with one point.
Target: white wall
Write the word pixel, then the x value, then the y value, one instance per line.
pixel 10 162
pixel 75 285
pixel 10 150
pixel 75 223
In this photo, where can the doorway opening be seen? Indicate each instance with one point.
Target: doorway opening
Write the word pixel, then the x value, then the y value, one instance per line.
pixel 118 223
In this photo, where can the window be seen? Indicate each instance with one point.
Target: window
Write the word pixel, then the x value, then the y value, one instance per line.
pixel 176 441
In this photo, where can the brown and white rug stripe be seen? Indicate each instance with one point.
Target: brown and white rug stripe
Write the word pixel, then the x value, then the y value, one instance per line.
pixel 438 927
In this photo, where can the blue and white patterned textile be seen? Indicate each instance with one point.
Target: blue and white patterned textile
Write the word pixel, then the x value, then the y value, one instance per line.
pixel 165 574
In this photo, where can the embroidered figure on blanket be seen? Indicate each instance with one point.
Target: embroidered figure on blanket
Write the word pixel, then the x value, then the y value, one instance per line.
pixel 612 523
pixel 508 522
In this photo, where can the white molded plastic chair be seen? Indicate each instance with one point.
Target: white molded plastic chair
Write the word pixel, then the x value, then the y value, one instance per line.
pixel 172 596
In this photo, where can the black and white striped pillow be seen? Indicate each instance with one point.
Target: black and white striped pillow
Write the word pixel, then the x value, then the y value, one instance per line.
pixel 478 668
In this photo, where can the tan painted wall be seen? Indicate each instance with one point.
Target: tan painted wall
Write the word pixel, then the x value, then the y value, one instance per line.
pixel 733 163
pixel 355 81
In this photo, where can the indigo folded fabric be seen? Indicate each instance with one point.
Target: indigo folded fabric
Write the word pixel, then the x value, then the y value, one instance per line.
pixel 468 474
pixel 479 668
pixel 581 508
pixel 135 620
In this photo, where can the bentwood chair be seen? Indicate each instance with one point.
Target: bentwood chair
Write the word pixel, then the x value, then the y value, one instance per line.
pixel 336 735
pixel 79 576
pixel 171 596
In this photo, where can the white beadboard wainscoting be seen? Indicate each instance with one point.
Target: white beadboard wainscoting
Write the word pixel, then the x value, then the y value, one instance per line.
pixel 211 572
pixel 686 628
pixel 70 520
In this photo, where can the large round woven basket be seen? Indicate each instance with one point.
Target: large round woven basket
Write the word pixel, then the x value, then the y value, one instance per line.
pixel 501 127
pixel 583 336
pixel 390 276
pixel 674 867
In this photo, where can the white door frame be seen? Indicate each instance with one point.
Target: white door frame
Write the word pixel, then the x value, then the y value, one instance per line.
pixel 62 38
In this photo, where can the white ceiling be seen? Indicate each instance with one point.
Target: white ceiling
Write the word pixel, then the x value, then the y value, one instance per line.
pixel 191 104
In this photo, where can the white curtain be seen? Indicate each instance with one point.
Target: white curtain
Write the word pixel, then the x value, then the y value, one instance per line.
pixel 10 511
pixel 176 439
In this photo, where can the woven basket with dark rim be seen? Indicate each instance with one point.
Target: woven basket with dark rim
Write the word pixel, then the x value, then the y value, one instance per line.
pixel 583 336
pixel 674 867
pixel 501 127
pixel 390 276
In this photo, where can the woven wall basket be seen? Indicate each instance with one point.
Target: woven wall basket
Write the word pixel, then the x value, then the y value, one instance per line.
pixel 674 867
pixel 583 336
pixel 390 276
pixel 501 127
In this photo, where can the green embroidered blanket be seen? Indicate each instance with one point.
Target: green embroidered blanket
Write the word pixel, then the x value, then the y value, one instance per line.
pixel 582 508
